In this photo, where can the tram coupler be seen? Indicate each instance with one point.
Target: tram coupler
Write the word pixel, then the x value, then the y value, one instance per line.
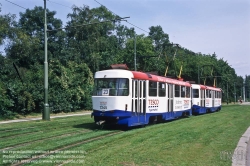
pixel 100 122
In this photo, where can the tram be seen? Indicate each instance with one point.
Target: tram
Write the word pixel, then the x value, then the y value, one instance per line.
pixel 133 98
pixel 205 99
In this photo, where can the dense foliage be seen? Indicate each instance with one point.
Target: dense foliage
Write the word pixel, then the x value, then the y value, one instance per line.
pixel 76 53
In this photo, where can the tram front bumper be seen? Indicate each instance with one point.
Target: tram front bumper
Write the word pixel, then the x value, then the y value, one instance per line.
pixel 113 113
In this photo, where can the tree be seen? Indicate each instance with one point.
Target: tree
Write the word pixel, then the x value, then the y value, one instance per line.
pixel 144 51
pixel 6 27
pixel 27 47
pixel 160 39
pixel 71 86
pixel 91 42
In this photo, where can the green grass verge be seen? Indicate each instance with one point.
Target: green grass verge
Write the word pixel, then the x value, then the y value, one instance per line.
pixel 37 115
pixel 197 140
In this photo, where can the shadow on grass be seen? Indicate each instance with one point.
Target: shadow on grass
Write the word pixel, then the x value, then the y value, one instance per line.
pixel 89 126
pixel 93 126
pixel 206 113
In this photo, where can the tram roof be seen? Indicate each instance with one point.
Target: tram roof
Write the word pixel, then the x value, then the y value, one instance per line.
pixel 151 77
pixel 119 73
pixel 213 88
pixel 205 87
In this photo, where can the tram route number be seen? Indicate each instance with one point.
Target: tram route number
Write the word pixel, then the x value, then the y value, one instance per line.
pixel 105 92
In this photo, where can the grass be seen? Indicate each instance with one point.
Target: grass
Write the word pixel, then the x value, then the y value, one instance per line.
pixel 197 140
pixel 37 115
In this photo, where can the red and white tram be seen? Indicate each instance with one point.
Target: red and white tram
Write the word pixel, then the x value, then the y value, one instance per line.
pixel 205 99
pixel 134 98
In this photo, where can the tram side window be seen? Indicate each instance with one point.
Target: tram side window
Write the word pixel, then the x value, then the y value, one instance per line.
pixel 210 94
pixel 144 89
pixel 207 93
pixel 140 95
pixel 162 89
pixel 170 91
pixel 183 89
pixel 177 90
pixel 152 88
pixel 136 89
pixel 187 92
pixel 133 89
pixel 195 93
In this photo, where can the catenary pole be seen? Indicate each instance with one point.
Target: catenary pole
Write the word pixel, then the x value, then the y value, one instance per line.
pixel 244 89
pixel 46 113
pixel 135 50
pixel 227 92
pixel 234 94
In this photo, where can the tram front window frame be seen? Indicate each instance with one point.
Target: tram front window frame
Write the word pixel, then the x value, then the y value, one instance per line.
pixel 111 87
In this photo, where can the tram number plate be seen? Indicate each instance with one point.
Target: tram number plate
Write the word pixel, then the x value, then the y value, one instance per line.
pixel 103 107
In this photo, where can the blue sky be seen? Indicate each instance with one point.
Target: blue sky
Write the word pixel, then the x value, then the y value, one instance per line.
pixel 206 26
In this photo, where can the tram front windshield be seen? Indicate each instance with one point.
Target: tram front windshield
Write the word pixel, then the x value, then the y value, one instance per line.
pixel 111 87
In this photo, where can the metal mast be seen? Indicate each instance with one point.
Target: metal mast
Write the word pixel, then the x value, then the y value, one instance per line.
pixel 46 113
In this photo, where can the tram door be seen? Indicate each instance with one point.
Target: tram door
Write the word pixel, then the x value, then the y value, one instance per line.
pixel 170 98
pixel 202 98
pixel 213 95
pixel 139 100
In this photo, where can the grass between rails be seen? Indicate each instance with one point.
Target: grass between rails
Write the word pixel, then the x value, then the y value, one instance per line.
pixel 197 140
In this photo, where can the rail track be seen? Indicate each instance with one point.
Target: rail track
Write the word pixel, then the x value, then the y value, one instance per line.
pixel 43 139
pixel 49 138
pixel 54 151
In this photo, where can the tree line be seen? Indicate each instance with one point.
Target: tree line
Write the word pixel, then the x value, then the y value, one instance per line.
pixel 75 54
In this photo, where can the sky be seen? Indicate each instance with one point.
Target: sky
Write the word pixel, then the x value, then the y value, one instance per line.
pixel 205 26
